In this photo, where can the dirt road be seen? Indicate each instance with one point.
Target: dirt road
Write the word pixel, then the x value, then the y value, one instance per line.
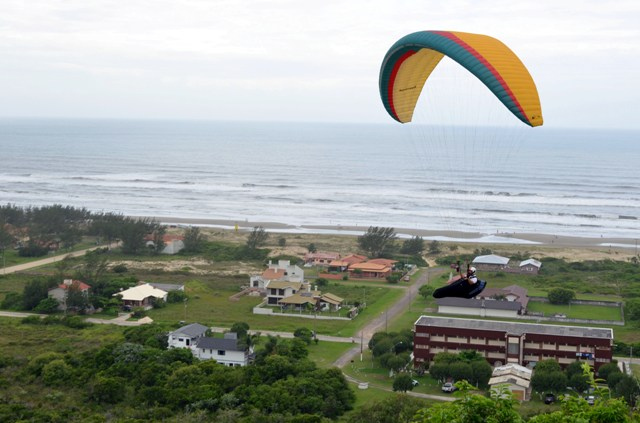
pixel 48 260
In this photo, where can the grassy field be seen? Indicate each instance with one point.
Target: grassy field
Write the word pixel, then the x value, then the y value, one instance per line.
pixel 577 311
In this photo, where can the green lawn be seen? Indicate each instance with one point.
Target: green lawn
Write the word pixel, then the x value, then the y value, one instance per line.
pixel 209 304
pixel 577 311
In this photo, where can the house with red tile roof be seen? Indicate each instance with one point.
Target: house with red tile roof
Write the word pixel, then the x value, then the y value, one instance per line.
pixel 173 243
pixel 61 292
pixel 320 258
pixel 370 270
pixel 344 263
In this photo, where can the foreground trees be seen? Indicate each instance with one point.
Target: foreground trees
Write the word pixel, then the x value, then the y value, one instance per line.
pixel 139 380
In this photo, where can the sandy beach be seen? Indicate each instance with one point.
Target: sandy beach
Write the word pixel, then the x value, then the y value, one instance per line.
pixel 627 245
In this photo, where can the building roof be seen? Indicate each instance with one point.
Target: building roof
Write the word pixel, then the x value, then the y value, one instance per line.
pixel 354 258
pixel 322 255
pixel 273 274
pixel 532 262
pixel 225 344
pixel 75 283
pixel 299 298
pixel 284 284
pixel 332 299
pixel 510 379
pixel 479 303
pixel 140 292
pixel 370 267
pixel 511 290
pixel 192 330
pixel 513 369
pixel 386 262
pixel 491 259
pixel 167 286
pixel 516 328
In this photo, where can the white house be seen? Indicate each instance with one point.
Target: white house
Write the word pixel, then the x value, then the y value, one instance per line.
pixel 282 271
pixel 278 290
pixel 490 262
pixel 141 295
pixel 186 336
pixel 515 377
pixel 478 307
pixel 530 266
pixel 224 350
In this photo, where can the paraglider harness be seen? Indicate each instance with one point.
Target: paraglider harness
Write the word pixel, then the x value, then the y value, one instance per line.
pixel 461 288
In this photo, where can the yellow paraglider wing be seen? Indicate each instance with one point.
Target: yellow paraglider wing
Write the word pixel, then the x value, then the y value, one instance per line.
pixel 411 60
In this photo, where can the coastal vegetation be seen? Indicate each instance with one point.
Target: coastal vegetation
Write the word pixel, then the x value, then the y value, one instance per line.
pixel 53 359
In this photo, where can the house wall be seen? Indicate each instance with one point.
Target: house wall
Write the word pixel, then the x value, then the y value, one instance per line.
pixel 228 358
pixel 182 341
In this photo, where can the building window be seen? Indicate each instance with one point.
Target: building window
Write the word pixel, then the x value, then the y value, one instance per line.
pixel 221 352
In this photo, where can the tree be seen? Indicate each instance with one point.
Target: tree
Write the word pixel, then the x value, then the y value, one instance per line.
pixel 6 240
pixel 426 291
pixel 403 382
pixel 394 409
pixel 282 242
pixel 632 309
pixel 133 232
pixel 434 247
pixel 34 291
pixel 193 240
pixel 561 296
pixel 628 389
pixel 413 246
pixel 545 381
pixel 377 241
pixel 257 238
pixel 48 305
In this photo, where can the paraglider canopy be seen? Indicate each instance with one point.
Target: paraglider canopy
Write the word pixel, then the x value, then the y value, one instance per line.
pixel 411 60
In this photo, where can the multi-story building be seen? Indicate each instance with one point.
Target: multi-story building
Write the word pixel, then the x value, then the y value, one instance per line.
pixel 511 342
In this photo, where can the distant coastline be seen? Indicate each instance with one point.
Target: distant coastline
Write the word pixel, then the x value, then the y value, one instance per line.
pixel 439 235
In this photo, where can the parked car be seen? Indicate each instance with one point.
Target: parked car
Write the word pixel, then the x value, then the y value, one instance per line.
pixel 415 382
pixel 449 387
pixel 590 399
pixel 549 398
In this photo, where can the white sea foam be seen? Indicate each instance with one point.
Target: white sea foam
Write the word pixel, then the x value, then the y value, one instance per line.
pixel 558 182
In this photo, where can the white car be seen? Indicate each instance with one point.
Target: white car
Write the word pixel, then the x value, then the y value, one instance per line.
pixel 448 387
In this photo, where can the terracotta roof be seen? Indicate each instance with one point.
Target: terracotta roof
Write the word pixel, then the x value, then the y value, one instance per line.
pixel 354 258
pixel 271 274
pixel 76 284
pixel 386 262
pixel 370 267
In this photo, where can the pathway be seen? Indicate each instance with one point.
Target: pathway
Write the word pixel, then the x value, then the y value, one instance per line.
pixel 49 260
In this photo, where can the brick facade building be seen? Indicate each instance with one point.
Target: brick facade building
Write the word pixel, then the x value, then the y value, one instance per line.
pixel 510 342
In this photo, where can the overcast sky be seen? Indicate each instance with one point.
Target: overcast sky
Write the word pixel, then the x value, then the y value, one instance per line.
pixel 297 60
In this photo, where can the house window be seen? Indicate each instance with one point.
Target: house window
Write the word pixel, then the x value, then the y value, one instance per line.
pixel 187 342
pixel 221 352
pixel 180 340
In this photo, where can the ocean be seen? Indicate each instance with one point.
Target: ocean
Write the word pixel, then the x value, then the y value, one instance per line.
pixel 486 180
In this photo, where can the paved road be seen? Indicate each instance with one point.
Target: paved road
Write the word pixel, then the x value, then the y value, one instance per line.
pixel 380 323
pixel 48 260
